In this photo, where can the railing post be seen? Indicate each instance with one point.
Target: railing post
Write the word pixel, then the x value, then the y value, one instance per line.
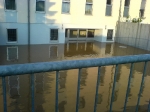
pixel 129 80
pixel 32 93
pixel 97 85
pixel 4 94
pixel 113 89
pixel 78 90
pixel 141 87
pixel 56 98
pixel 149 106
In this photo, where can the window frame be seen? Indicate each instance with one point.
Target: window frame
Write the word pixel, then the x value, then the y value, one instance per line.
pixel 89 3
pixel 65 1
pixel 57 35
pixel 16 35
pixel 10 9
pixel 44 7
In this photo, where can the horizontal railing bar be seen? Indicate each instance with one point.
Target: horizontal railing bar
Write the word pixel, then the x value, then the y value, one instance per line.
pixel 19 69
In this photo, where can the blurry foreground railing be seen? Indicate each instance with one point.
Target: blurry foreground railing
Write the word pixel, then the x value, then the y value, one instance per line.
pixel 21 69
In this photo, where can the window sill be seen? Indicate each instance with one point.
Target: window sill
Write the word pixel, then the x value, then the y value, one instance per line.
pixel 6 10
pixel 66 13
pixel 42 12
pixel 88 15
pixel 15 42
pixel 108 16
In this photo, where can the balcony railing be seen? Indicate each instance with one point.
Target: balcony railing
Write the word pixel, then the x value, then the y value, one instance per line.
pixel 108 10
pixel 20 69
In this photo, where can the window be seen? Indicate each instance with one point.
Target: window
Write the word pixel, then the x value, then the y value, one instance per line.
pixel 108 8
pixel 54 34
pixel 12 35
pixel 66 32
pixel 88 7
pixel 10 4
pixel 109 34
pixel 73 33
pixel 66 6
pixel 127 3
pixel 126 8
pixel 40 5
pixel 90 33
pixel 82 33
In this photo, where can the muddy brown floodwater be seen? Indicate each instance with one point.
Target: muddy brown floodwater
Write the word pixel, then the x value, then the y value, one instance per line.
pixel 18 87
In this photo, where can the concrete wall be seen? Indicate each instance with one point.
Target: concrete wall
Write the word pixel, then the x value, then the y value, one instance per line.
pixel 134 34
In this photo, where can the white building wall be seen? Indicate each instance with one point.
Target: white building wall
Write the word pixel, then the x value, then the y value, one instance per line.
pixel 42 22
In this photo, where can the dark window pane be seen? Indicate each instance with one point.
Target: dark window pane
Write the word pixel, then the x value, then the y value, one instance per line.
pixel 109 34
pixel 40 6
pixel 109 2
pixel 54 34
pixel 90 33
pixel 66 33
pixel 12 35
pixel 141 12
pixel 10 4
pixel 127 2
pixel 82 33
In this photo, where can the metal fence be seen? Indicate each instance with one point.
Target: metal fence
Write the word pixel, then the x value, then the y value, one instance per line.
pixel 21 69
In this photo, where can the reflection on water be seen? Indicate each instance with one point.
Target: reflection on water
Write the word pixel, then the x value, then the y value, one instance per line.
pixel 19 90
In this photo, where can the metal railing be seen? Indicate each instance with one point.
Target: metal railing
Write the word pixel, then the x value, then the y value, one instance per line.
pixel 20 69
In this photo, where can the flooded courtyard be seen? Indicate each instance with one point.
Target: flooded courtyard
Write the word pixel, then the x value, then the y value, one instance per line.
pixel 19 89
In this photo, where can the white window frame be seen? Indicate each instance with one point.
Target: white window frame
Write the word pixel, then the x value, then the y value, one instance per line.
pixel 4 1
pixel 8 53
pixel 16 35
pixel 44 6
pixel 89 3
pixel 65 1
pixel 50 35
pixel 111 9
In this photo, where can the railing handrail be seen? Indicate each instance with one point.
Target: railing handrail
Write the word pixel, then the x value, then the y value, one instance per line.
pixel 20 69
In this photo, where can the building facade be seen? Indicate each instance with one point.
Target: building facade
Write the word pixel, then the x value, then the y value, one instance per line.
pixel 56 21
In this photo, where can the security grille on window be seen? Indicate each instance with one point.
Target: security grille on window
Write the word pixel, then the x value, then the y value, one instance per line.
pixel 12 35
pixel 88 7
pixel 10 4
pixel 109 34
pixel 108 8
pixel 66 6
pixel 54 34
pixel 40 5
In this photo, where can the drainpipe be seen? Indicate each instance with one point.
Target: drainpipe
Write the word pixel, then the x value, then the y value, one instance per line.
pixel 28 22
pixel 28 10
